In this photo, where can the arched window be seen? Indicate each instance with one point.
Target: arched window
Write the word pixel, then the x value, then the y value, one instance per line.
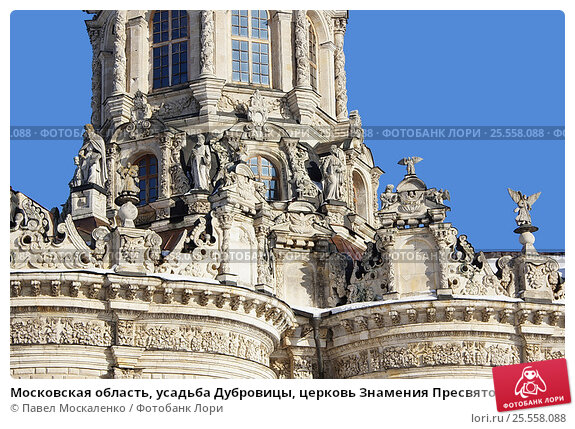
pixel 265 171
pixel 312 55
pixel 148 175
pixel 170 38
pixel 250 47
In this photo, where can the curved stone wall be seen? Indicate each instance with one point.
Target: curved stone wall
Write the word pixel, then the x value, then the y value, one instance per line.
pixel 106 325
pixel 441 338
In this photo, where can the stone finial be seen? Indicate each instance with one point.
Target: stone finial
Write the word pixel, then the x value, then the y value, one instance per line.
pixel 409 163
pixel 523 219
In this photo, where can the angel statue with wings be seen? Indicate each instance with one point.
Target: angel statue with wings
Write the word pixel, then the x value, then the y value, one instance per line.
pixel 524 204
pixel 409 163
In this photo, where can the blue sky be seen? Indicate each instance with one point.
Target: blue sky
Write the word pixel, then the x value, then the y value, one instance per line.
pixel 445 68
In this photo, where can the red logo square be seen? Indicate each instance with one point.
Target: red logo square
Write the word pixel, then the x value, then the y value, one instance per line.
pixel 529 385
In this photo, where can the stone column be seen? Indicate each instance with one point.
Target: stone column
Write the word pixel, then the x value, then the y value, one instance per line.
pixel 163 203
pixel 281 31
pixel 326 77
pixel 445 237
pixel 112 154
pixel 339 68
pixel 280 256
pixel 302 99
pixel 302 49
pixel 119 78
pixel 262 224
pixel 376 173
pixel 164 173
pixel 351 155
pixel 117 103
pixel 207 43
pixel 385 242
pixel 207 90
pixel 139 54
pixel 95 35
pixel 226 219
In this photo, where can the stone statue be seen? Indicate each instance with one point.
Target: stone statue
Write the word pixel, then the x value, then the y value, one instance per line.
pixel 200 164
pixel 524 204
pixel 388 197
pixel 333 168
pixel 77 179
pixel 409 163
pixel 438 195
pixel 91 159
pixel 355 129
pixel 129 174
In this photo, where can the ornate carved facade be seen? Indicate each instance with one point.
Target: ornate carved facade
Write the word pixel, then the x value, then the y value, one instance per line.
pixel 224 221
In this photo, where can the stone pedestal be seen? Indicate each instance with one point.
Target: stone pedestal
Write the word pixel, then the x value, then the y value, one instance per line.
pixel 265 288
pixel 335 212
pixel 303 103
pixel 88 201
pixel 118 107
pixel 208 91
pixel 533 269
pixel 126 356
pixel 390 295
pixel 162 208
pixel 128 250
pixel 227 279
pixel 444 293
pixel 197 201
pixel 538 296
pixel 526 238
pixel 534 273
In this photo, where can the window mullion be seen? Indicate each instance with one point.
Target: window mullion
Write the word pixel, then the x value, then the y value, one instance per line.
pixel 170 45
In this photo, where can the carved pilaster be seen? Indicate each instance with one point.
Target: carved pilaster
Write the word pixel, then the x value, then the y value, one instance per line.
pixel 207 43
pixel 166 150
pixel 339 67
pixel 95 34
pixel 444 236
pixel 119 77
pixel 264 269
pixel 112 155
pixel 226 219
pixel 302 49
pixel 137 68
pixel 280 256
pixel 376 173
pixel 385 242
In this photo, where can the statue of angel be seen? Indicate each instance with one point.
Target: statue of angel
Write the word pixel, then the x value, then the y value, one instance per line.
pixel 409 163
pixel 524 204
pixel 388 197
pixel 129 174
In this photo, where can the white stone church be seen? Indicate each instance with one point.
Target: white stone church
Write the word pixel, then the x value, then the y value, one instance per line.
pixel 224 222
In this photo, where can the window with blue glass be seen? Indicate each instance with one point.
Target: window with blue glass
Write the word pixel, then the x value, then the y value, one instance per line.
pixel 265 172
pixel 170 39
pixel 148 175
pixel 250 47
